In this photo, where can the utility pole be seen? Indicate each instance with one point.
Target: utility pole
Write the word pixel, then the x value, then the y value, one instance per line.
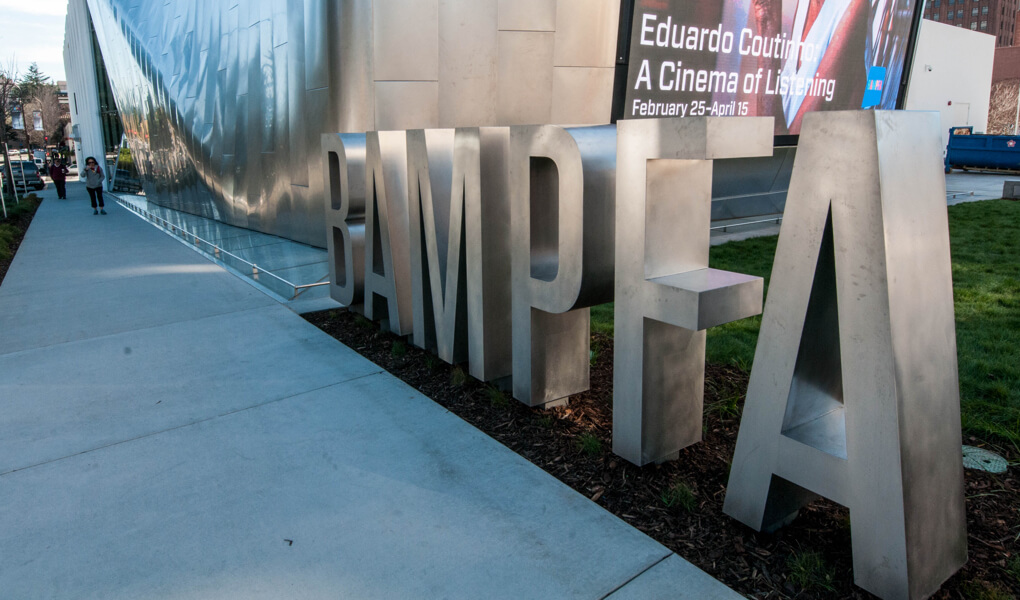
pixel 10 169
pixel 28 143
pixel 28 136
pixel 2 201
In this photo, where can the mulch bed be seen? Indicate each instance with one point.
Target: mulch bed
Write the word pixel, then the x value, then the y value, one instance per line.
pixel 809 559
pixel 22 222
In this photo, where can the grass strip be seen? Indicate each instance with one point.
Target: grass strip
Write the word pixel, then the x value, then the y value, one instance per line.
pixel 12 228
pixel 985 245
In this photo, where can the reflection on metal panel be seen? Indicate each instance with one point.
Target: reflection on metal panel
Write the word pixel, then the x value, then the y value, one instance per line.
pixel 224 102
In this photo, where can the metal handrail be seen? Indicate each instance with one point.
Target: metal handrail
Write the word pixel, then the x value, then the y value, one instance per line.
pixel 173 229
pixel 775 220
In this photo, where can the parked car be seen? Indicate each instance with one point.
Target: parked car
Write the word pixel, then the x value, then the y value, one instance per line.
pixel 31 177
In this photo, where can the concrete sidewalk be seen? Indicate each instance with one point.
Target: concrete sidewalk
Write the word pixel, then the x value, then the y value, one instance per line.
pixel 973 186
pixel 169 431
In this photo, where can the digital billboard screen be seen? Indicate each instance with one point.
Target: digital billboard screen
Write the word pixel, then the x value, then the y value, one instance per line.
pixel 778 58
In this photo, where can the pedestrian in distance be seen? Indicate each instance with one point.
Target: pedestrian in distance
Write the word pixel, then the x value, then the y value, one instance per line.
pixel 58 173
pixel 94 184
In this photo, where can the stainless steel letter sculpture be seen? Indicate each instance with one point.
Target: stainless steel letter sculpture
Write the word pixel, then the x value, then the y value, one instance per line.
pixel 666 296
pixel 387 237
pixel 460 247
pixel 344 182
pixel 854 393
pixel 562 184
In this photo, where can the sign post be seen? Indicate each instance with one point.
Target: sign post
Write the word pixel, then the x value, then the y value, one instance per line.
pixel 3 202
pixel 10 168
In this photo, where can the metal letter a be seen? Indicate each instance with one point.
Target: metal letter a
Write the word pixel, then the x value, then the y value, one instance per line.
pixel 854 393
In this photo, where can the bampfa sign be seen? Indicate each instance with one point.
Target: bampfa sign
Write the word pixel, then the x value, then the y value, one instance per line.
pixel 491 244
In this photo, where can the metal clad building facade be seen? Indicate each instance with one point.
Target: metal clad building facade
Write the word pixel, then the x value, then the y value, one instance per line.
pixel 224 101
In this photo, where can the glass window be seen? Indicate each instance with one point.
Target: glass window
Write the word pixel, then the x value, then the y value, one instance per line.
pixel 984 10
pixel 959 14
pixel 984 25
pixel 949 17
pixel 973 25
pixel 973 12
pixel 935 17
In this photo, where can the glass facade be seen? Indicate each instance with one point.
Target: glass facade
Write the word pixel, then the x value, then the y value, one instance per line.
pixel 113 129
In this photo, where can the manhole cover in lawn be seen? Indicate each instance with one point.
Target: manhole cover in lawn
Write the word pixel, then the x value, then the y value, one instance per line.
pixel 983 460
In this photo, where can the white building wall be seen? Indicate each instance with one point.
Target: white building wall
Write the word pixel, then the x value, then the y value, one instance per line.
pixel 952 74
pixel 82 87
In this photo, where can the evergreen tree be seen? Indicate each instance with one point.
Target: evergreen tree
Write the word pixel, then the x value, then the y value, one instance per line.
pixel 32 83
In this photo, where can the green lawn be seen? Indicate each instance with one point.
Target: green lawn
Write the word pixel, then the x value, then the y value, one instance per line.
pixel 985 239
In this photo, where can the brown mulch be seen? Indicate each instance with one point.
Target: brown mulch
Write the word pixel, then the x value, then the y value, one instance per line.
pixel 562 442
pixel 21 222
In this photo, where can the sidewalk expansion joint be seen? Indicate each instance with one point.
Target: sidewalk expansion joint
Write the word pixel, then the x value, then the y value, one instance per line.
pixel 639 574
pixel 193 423
pixel 145 328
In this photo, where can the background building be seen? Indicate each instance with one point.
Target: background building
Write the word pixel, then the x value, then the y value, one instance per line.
pixel 951 74
pixel 994 17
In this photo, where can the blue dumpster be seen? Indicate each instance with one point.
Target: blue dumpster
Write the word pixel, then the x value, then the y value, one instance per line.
pixel 982 152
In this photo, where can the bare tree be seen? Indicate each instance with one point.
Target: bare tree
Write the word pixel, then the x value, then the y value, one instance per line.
pixel 48 104
pixel 1003 106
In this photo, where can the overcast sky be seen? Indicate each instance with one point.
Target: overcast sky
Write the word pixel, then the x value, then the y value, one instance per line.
pixel 33 31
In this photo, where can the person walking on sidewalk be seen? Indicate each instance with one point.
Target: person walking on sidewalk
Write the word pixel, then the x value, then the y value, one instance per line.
pixel 58 173
pixel 94 184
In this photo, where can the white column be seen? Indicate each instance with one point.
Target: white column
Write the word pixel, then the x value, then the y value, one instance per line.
pixel 82 86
